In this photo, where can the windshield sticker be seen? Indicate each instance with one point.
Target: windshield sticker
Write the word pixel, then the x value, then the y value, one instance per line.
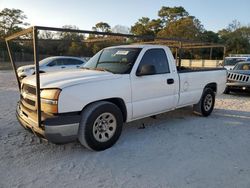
pixel 122 52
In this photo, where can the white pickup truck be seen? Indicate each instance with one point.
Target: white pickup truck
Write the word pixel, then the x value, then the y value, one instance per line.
pixel 119 84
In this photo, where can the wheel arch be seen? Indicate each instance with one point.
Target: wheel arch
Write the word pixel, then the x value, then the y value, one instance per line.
pixel 212 86
pixel 119 102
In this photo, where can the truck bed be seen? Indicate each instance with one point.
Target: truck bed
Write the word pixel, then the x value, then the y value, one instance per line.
pixel 195 80
pixel 197 69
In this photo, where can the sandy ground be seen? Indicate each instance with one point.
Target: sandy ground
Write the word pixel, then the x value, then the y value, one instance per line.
pixel 178 149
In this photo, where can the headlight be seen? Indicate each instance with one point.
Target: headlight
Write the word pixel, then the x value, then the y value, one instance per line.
pixel 20 70
pixel 49 100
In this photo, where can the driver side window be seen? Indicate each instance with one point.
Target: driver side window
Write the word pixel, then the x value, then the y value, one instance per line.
pixel 157 58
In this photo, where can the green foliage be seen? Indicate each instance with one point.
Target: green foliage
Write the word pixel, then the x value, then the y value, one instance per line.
pixel 142 27
pixel 210 36
pixel 234 25
pixel 237 40
pixel 120 29
pixel 172 14
pixel 102 26
pixel 11 20
pixel 145 26
pixel 172 22
pixel 188 28
pixel 176 22
pixel 69 35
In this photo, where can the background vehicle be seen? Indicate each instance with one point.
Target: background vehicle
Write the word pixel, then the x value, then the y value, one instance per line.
pixel 50 64
pixel 233 59
pixel 119 84
pixel 238 79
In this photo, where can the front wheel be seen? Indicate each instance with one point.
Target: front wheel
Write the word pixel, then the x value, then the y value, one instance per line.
pixel 100 125
pixel 206 103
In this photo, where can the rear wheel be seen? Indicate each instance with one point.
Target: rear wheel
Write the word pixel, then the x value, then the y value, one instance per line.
pixel 206 103
pixel 100 125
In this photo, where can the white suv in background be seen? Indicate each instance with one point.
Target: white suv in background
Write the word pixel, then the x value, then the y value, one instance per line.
pixel 56 63
pixel 232 60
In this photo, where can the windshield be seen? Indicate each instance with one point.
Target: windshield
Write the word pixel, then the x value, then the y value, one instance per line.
pixel 115 60
pixel 242 66
pixel 44 61
pixel 232 61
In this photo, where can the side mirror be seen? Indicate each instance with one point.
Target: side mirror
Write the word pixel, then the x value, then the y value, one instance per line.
pixel 145 70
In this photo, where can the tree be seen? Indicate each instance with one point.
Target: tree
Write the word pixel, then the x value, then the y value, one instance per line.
pixel 234 25
pixel 188 28
pixel 75 49
pixel 155 25
pixel 71 43
pixel 70 35
pixel 207 53
pixel 236 42
pixel 141 27
pixel 145 26
pixel 177 22
pixel 120 29
pixel 210 36
pixel 11 20
pixel 172 14
pixel 236 38
pixel 173 22
pixel 102 26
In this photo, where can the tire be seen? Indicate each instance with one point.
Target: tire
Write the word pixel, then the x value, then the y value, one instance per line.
pixel 226 91
pixel 100 126
pixel 206 103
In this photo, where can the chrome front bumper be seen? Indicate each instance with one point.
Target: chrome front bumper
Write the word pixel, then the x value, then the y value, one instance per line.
pixel 62 128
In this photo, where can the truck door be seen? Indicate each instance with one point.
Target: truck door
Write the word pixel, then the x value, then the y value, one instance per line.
pixel 154 93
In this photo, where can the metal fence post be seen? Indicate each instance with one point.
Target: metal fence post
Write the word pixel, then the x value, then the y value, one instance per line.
pixel 13 64
pixel 180 54
pixel 36 62
pixel 211 53
pixel 224 55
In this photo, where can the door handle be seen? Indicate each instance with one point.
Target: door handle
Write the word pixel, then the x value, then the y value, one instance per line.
pixel 62 67
pixel 77 66
pixel 170 81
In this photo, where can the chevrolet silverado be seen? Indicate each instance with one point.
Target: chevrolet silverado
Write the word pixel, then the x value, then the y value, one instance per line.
pixel 119 84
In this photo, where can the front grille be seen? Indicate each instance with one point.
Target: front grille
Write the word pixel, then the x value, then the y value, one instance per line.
pixel 28 96
pixel 29 89
pixel 28 101
pixel 238 77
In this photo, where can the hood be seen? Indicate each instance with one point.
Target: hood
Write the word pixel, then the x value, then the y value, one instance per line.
pixel 229 67
pixel 246 72
pixel 69 77
pixel 25 67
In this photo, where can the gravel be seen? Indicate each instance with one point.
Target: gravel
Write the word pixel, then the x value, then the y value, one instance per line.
pixel 177 149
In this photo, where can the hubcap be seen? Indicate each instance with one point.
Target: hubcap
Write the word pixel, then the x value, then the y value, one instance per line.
pixel 208 102
pixel 104 127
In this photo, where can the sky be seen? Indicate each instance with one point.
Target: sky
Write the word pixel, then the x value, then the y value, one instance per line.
pixel 213 14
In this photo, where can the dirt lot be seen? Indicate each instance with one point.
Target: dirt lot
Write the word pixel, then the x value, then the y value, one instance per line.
pixel 178 149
